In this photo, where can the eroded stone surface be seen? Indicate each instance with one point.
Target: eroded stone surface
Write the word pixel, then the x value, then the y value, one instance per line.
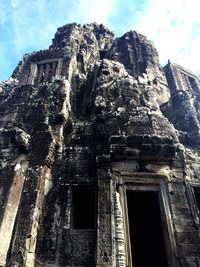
pixel 96 111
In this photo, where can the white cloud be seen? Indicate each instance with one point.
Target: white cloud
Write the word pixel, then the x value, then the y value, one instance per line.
pixel 30 25
pixel 173 25
pixel 14 3
pixel 98 11
pixel 35 22
pixel 170 25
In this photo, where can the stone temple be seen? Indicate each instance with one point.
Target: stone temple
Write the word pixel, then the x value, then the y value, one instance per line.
pixel 100 155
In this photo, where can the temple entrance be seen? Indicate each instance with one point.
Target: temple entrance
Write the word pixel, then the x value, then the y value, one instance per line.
pixel 145 227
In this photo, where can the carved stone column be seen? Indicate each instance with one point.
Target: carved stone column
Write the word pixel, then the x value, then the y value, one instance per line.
pixel 46 74
pixel 53 71
pixel 119 233
pixel 10 212
pixel 40 73
pixel 26 233
pixel 105 223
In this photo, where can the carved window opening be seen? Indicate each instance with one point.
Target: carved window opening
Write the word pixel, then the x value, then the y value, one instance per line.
pixel 196 191
pixel 83 207
pixel 193 192
pixel 194 85
pixel 44 71
pixel 145 228
pixel 190 83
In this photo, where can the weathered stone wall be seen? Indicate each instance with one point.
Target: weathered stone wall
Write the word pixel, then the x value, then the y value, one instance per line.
pixel 100 116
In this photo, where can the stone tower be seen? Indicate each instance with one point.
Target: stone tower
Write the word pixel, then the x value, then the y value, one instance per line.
pixel 99 159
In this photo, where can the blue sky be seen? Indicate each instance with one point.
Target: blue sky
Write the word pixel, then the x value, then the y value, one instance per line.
pixel 30 25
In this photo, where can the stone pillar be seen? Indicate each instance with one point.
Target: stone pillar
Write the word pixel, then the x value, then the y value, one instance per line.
pixel 26 233
pixel 6 229
pixel 49 78
pixel 53 71
pixel 119 233
pixel 58 69
pixel 105 222
pixel 33 73
pixel 40 73
pixel 46 73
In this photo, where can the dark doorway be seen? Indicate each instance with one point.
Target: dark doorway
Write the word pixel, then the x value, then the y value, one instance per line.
pixel 145 226
pixel 197 196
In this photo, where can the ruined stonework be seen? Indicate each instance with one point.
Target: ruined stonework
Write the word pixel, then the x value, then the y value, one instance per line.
pixel 99 159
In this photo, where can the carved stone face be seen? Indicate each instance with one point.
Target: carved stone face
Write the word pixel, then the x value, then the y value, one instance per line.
pixel 110 71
